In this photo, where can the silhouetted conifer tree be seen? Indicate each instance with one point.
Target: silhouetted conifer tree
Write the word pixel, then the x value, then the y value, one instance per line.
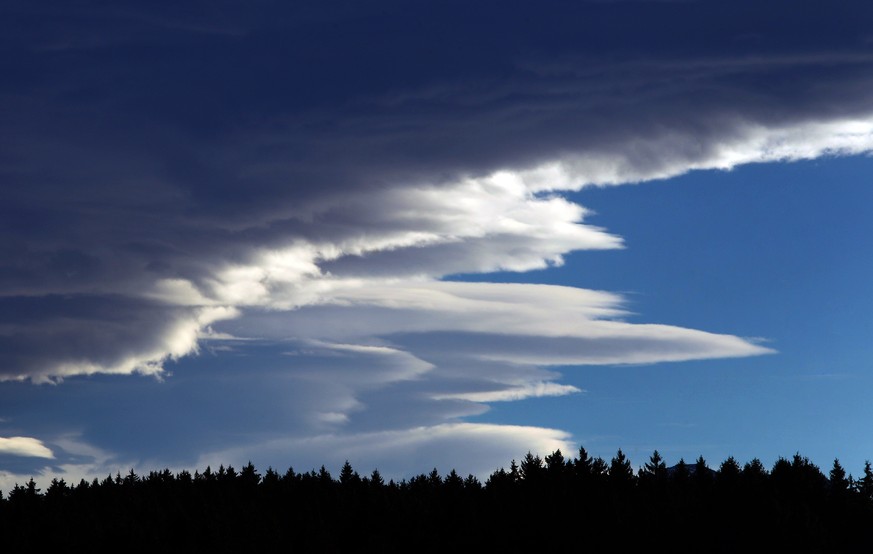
pixel 702 473
pixel 347 474
pixel 655 468
pixel 453 481
pixel 837 478
pixel 620 471
pixel 680 470
pixel 434 479
pixel 376 479
pixel 754 469
pixel 130 479
pixel 865 483
pixel 271 479
pixel 472 483
pixel 555 464
pixel 57 490
pixel 324 476
pixel 499 479
pixel 531 468
pixel 582 464
pixel 184 477
pixel 33 492
pixel 729 472
pixel 249 476
pixel 599 468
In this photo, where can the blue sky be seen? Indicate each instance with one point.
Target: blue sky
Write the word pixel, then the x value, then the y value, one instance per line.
pixel 790 270
pixel 432 234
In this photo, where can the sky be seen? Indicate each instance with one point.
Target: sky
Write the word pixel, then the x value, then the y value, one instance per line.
pixel 433 234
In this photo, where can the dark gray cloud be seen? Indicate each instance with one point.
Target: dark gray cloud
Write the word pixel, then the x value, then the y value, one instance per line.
pixel 291 101
pixel 43 337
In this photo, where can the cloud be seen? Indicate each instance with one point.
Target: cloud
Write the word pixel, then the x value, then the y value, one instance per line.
pixel 24 446
pixel 71 460
pixel 532 390
pixel 513 323
pixel 47 338
pixel 184 213
pixel 395 453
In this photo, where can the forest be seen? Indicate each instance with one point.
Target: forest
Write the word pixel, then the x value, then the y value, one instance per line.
pixel 576 504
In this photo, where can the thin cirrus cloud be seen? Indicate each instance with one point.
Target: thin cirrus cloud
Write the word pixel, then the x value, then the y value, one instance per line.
pixel 226 181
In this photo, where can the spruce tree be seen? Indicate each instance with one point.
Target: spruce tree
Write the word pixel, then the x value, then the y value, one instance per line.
pixel 582 464
pixel 655 468
pixel 620 471
pixel 865 483
pixel 376 480
pixel 347 474
pixel 837 478
pixel 531 467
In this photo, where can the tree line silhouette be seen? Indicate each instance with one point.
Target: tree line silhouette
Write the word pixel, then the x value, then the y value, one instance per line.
pixel 580 503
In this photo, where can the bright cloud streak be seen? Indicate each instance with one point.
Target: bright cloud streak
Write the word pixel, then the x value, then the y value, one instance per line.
pixel 24 446
pixel 533 390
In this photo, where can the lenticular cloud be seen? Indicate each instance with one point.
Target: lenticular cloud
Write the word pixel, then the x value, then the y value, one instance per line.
pixel 376 268
pixel 24 446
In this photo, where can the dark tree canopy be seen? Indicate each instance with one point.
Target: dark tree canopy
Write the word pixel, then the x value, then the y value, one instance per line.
pixel 683 508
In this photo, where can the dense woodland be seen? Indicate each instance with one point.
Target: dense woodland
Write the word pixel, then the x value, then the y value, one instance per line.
pixel 579 504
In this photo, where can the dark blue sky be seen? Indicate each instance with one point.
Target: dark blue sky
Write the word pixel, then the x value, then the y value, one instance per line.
pixel 432 233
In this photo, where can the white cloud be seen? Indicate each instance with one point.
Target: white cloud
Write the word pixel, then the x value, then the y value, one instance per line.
pixel 25 446
pixel 530 390
pixel 521 323
pixel 74 460
pixel 378 354
pixel 669 154
pixel 357 365
pixel 466 447
pixel 387 247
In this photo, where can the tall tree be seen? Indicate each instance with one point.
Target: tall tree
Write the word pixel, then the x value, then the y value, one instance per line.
pixel 249 476
pixel 555 465
pixel 347 474
pixel 837 478
pixel 655 468
pixel 531 467
pixel 620 471
pixel 865 483
pixel 57 490
pixel 376 480
pixel 599 467
pixel 701 469
pixel 453 481
pixel 681 472
pixel 729 471
pixel 582 464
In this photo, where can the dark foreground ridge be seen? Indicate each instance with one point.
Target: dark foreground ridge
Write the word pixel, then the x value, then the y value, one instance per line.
pixel 578 504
